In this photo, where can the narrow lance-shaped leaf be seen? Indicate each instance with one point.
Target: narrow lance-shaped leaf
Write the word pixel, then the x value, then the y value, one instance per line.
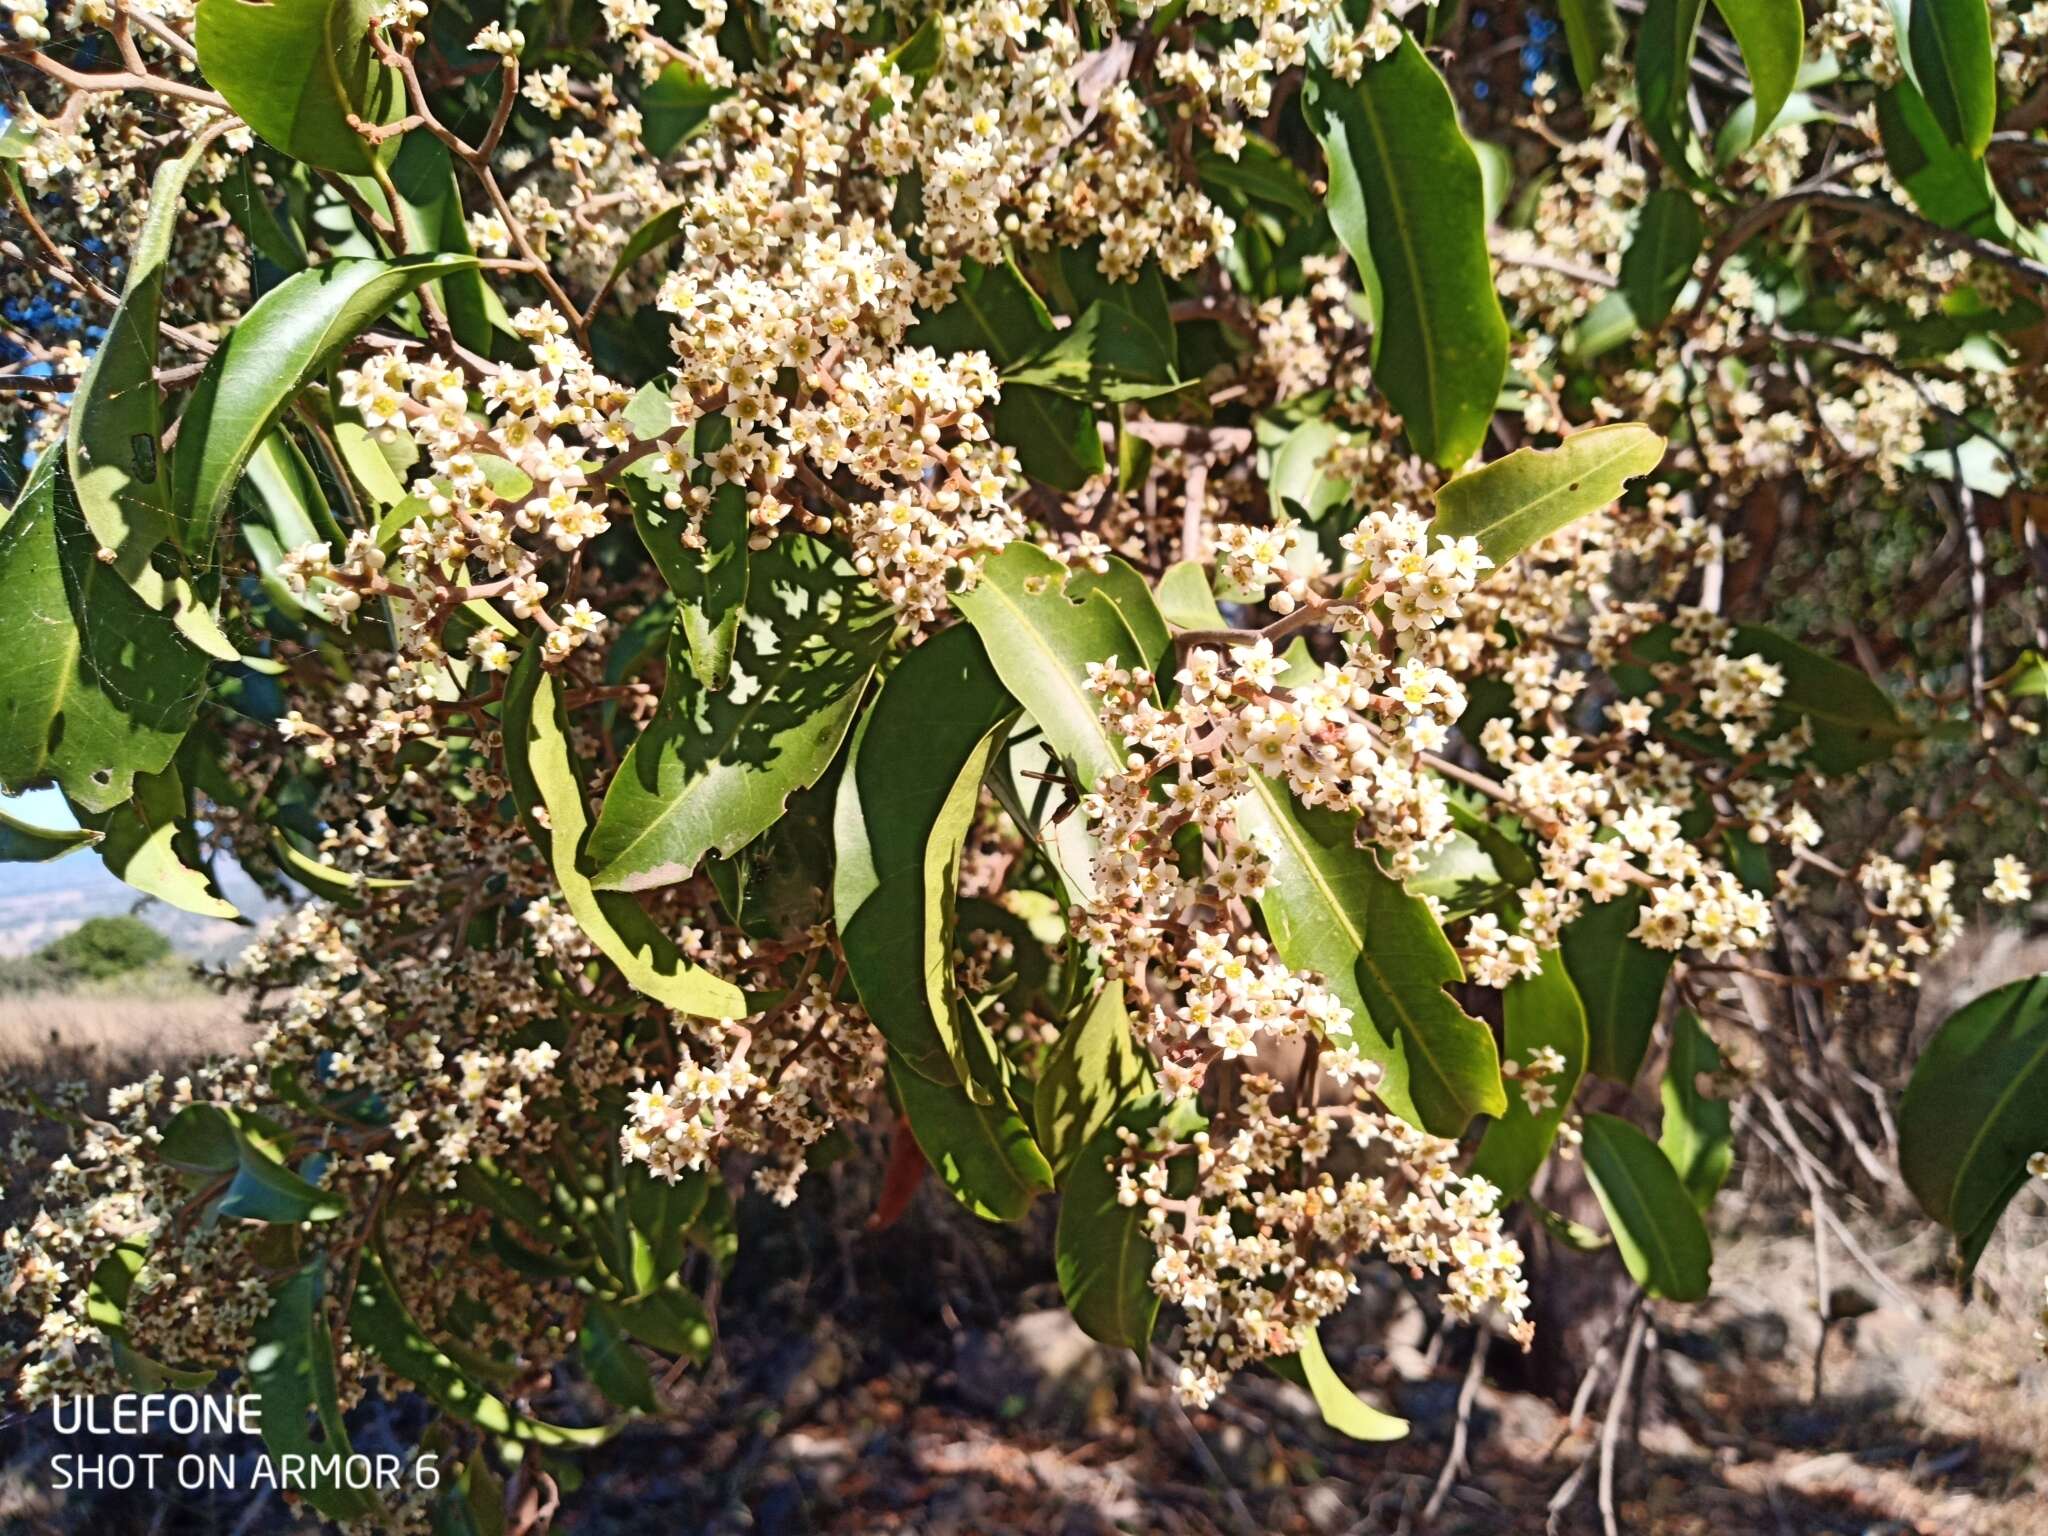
pixel 715 768
pixel 984 1153
pixel 1342 1409
pixel 1772 37
pixel 1407 199
pixel 906 800
pixel 1541 1010
pixel 1977 1107
pixel 1621 980
pixel 1102 1252
pixel 1657 1228
pixel 1699 1131
pixel 1594 35
pixel 1948 53
pixel 547 786
pixel 98 686
pixel 23 842
pixel 1523 498
pixel 150 844
pixel 290 1372
pixel 1332 911
pixel 273 351
pixel 114 440
pixel 1664 45
pixel 1660 256
pixel 1093 1073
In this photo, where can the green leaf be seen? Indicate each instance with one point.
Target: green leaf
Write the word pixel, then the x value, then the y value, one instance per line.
pixel 340 886
pixel 1298 486
pixel 1521 499
pixel 1143 296
pixel 379 1320
pixel 1699 1132
pixel 150 844
pixel 1656 1225
pixel 1977 1107
pixel 994 310
pixel 1041 628
pixel 1343 1409
pixel 1541 1010
pixel 1772 37
pixel 1621 981
pixel 1660 256
pixel 1594 35
pixel 1946 184
pixel 430 216
pixel 715 769
pixel 207 1139
pixel 1738 135
pixel 547 786
pixel 284 340
pixel 113 443
pixel 88 704
pixel 650 237
pixel 283 509
pixel 906 800
pixel 2026 678
pixel 290 1371
pixel 1330 910
pixel 617 1369
pixel 297 70
pixel 1094 1072
pixel 1664 46
pixel 1259 174
pixel 1107 356
pixel 1947 50
pixel 1854 721
pixel 675 106
pixel 982 1152
pixel 22 842
pixel 1101 1252
pixel 709 583
pixel 1409 204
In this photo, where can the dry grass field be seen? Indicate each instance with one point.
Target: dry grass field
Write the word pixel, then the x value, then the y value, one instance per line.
pixel 107 1032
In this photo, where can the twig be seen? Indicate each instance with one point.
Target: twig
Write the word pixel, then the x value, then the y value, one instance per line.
pixel 1468 1393
pixel 1610 1429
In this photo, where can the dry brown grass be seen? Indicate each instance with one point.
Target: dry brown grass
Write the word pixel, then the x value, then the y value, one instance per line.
pixel 104 1036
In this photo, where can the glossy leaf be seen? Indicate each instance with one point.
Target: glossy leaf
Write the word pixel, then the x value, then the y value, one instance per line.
pixel 98 687
pixel 709 582
pixel 1108 355
pixel 1621 981
pixel 431 217
pixel 297 70
pixel 715 768
pixel 906 800
pixel 617 1369
pixel 113 442
pixel 378 1319
pixel 1408 202
pixel 1664 46
pixel 984 1153
pixel 1342 1409
pixel 1521 499
pixel 1772 37
pixel 23 842
pixel 1094 1072
pixel 290 1372
pixel 1331 911
pixel 1101 1251
pixel 1594 35
pixel 547 786
pixel 1656 1226
pixel 149 843
pixel 1699 1131
pixel 1947 50
pixel 1667 241
pixel 1541 1010
pixel 1041 629
pixel 1977 1107
pixel 1945 183
pixel 994 310
pixel 676 105
pixel 273 351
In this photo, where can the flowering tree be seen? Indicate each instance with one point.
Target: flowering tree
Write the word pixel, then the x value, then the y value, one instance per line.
pixel 1208 610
